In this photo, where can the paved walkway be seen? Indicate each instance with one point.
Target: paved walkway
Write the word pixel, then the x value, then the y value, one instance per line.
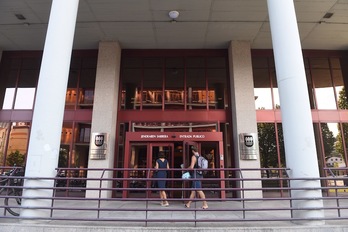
pixel 175 212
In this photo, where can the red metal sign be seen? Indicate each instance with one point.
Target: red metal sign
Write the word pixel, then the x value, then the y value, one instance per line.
pixel 173 136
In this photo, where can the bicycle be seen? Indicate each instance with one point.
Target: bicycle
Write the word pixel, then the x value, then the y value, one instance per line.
pixel 12 187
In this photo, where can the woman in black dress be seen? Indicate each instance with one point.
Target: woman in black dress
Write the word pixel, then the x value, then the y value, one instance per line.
pixel 162 164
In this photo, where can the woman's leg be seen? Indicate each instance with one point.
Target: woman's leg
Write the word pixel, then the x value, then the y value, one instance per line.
pixel 192 196
pixel 202 196
pixel 164 197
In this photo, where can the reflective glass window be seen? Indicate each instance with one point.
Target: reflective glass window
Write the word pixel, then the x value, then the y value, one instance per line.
pixel 18 140
pixel 174 94
pixel 152 93
pixel 322 83
pixel 342 146
pixel 275 91
pixel 324 92
pixel 339 88
pixel 216 62
pixel 27 82
pixel 25 98
pixel 217 88
pixel 83 133
pixel 174 82
pixel 67 133
pixel 329 132
pixel 87 82
pixel 8 98
pixel 262 89
pixel 196 90
pixel 4 131
pixel 18 82
pixel 8 81
pixel 268 145
pixel 71 92
pixel 86 88
pixel 131 88
pixel 81 83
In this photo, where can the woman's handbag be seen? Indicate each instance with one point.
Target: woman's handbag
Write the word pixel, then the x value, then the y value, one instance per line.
pixel 186 175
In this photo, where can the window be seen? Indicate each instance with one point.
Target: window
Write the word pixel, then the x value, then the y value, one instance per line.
pixel 19 79
pixel 171 83
pixel 262 83
pixel 81 83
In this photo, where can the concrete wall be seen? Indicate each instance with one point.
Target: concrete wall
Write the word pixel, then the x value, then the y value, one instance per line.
pixel 243 108
pixel 105 109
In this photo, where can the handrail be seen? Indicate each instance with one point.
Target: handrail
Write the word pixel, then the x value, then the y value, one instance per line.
pixel 273 199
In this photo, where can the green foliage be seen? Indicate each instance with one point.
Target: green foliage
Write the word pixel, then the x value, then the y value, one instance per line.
pixel 328 139
pixel 339 144
pixel 342 104
pixel 268 145
pixel 342 99
pixel 15 159
pixel 63 158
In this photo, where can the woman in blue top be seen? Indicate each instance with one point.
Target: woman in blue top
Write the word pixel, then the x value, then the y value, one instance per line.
pixel 162 164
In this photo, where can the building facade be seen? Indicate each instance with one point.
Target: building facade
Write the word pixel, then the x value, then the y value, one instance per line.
pixel 146 99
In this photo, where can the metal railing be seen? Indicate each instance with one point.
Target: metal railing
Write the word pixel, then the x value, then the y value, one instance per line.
pixel 234 198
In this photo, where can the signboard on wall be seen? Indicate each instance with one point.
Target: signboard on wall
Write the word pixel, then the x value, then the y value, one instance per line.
pixel 249 147
pixel 98 145
pixel 174 136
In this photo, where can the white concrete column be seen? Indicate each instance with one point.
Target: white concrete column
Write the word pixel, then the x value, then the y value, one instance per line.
pixel 105 110
pixel 299 141
pixel 243 109
pixel 43 151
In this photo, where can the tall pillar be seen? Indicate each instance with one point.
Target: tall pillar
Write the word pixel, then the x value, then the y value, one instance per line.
pixel 43 151
pixel 299 141
pixel 2 87
pixel 105 111
pixel 243 110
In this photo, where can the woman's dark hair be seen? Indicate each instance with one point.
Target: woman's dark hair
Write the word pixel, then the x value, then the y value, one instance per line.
pixel 161 154
pixel 194 148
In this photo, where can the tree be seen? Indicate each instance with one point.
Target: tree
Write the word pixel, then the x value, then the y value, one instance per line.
pixel 342 99
pixel 63 158
pixel 268 145
pixel 342 104
pixel 15 159
pixel 328 139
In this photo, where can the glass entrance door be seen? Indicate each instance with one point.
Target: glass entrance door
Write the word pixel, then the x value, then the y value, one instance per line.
pixel 137 162
pixel 140 162
pixel 168 149
pixel 209 150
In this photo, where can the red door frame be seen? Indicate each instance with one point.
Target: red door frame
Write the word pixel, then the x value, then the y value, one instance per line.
pixel 187 151
pixel 170 137
pixel 151 155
